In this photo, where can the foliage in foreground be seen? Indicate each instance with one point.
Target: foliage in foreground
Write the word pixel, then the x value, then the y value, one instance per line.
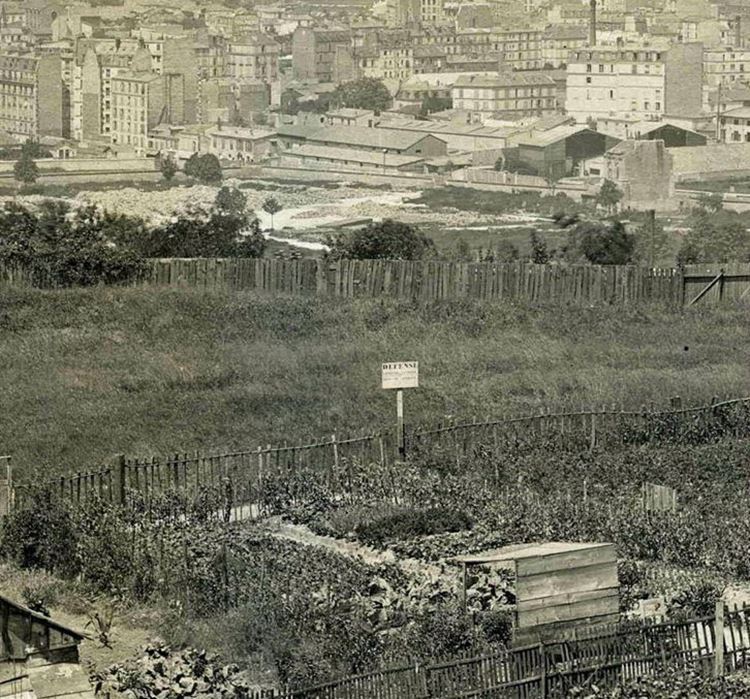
pixel 672 683
pixel 161 671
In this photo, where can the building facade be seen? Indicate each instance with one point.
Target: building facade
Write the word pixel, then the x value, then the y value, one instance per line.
pixel 637 83
pixel 506 95
pixel 31 95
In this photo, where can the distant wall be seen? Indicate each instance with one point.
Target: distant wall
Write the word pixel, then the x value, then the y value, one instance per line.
pixel 714 161
pixel 83 165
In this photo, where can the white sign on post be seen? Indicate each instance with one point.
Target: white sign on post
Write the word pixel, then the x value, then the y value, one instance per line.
pixel 400 375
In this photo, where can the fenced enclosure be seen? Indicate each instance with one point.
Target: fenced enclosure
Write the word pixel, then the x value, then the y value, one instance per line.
pixel 425 281
pixel 545 671
pixel 243 482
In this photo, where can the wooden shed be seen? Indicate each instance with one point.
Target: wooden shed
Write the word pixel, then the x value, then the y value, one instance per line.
pixel 39 656
pixel 560 586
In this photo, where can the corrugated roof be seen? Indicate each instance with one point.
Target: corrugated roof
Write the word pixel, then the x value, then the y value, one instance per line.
pixel 503 80
pixel 354 155
pixel 546 138
pixel 353 135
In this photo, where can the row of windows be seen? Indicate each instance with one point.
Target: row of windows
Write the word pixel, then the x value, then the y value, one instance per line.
pixel 645 69
pixel 128 87
pixel 500 93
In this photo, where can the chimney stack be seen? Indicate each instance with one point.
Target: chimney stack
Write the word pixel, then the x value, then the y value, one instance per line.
pixel 592 24
pixel 738 32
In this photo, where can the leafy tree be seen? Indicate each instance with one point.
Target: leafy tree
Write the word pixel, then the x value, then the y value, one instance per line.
pixel 365 93
pixel 609 195
pixel 33 149
pixel 65 247
pixel 272 207
pixel 539 253
pixel 205 168
pixel 715 236
pixel 389 240
pixel 432 104
pixel 25 170
pixel 601 243
pixel 224 230
pixel 168 168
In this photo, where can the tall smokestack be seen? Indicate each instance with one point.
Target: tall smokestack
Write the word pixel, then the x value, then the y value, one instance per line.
pixel 738 32
pixel 592 24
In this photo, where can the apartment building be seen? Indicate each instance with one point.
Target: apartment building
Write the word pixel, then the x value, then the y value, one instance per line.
pixel 97 63
pixel 518 49
pixel 635 82
pixel 506 95
pixel 31 95
pixel 559 41
pixel 734 125
pixel 211 55
pixel 725 66
pixel 253 55
pixel 324 55
pixel 141 101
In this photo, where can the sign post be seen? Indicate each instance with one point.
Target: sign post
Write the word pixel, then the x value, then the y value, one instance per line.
pixel 398 376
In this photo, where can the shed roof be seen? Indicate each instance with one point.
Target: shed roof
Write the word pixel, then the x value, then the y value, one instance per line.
pixel 517 552
pixel 362 136
pixel 354 155
pixel 78 635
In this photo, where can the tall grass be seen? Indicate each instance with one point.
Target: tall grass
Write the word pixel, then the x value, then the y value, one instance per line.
pixel 85 374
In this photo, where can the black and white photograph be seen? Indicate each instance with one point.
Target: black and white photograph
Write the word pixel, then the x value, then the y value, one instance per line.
pixel 374 349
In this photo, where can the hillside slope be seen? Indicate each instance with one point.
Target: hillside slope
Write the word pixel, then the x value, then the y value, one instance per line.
pixel 85 374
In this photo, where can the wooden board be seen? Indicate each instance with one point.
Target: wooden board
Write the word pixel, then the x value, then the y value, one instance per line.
pixel 566 560
pixel 594 577
pixel 568 607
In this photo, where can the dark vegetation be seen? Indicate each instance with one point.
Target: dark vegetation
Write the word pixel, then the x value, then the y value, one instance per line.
pixel 61 246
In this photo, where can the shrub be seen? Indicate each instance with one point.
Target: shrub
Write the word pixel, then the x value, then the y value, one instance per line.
pixel 42 535
pixel 413 523
pixel 205 168
pixel 388 240
pixel 65 247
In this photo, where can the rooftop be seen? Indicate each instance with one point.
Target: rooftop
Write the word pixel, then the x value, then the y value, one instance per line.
pixel 353 135
pixel 517 552
pixel 503 80
pixel 355 155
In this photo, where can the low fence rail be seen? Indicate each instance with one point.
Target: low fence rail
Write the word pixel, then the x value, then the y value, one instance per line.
pixel 243 479
pixel 553 669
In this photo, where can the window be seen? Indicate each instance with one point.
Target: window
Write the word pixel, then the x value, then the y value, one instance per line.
pixel 588 81
pixel 588 68
pixel 611 94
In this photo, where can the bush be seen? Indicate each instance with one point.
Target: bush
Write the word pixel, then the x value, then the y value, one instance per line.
pixel 42 535
pixel 413 523
pixel 63 247
pixel 601 244
pixel 205 168
pixel 388 240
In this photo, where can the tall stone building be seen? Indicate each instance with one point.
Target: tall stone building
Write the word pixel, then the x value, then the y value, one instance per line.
pixel 31 95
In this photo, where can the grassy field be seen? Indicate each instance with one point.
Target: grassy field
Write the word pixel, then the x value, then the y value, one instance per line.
pixel 89 373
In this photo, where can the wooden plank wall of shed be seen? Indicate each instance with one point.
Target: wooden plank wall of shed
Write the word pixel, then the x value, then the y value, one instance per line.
pixel 567 587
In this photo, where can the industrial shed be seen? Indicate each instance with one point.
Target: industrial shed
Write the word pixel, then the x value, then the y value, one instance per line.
pixel 39 656
pixel 673 136
pixel 557 152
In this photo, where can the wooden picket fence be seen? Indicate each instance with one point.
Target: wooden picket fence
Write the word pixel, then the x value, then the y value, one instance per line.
pixel 426 280
pixel 241 478
pixel 550 670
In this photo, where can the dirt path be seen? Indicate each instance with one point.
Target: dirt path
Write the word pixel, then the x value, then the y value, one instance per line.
pixel 411 566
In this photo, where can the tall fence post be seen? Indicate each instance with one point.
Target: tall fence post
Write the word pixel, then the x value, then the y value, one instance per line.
pixel 6 488
pixel 121 477
pixel 719 640
pixel 543 671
